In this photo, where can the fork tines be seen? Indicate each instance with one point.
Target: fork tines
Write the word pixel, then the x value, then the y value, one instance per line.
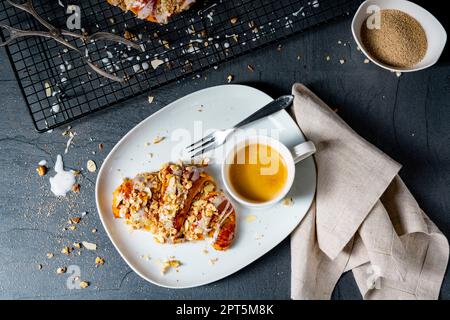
pixel 201 144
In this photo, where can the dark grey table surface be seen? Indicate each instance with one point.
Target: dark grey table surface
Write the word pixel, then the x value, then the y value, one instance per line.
pixel 407 117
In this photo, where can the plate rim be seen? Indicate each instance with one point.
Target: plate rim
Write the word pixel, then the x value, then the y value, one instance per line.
pixel 135 128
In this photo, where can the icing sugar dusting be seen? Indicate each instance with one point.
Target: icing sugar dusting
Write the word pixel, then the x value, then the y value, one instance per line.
pixel 63 181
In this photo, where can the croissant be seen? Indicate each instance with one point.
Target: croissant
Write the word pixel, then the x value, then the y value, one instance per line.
pixel 177 203
pixel 211 216
pixel 158 11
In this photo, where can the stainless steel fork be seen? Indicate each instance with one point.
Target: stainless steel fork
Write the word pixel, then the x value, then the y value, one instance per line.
pixel 219 137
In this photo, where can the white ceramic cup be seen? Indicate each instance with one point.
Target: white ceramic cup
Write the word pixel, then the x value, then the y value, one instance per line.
pixel 291 157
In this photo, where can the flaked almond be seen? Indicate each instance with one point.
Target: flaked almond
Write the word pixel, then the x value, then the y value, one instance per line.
pixel 91 166
pixel 89 245
pixel 48 89
pixel 156 63
pixel 166 44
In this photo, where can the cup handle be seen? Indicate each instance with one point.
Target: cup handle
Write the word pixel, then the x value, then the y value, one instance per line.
pixel 302 151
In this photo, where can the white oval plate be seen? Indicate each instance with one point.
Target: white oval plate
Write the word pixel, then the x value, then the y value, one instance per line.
pixel 217 107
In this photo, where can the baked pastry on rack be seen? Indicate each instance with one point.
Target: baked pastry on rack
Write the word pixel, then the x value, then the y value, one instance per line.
pixel 158 11
pixel 178 203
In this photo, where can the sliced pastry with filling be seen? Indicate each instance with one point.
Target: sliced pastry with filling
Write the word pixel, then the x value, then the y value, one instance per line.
pixel 178 203
pixel 137 201
pixel 211 216
pixel 158 11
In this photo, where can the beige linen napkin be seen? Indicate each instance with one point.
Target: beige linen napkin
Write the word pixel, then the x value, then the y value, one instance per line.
pixel 363 218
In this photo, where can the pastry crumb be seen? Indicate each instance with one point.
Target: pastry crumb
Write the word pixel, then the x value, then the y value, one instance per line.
pixel 76 188
pixel 146 257
pixel 288 202
pixel 41 170
pixel 75 220
pixel 61 270
pixel 170 263
pixel 66 250
pixel 158 139
pixel 258 236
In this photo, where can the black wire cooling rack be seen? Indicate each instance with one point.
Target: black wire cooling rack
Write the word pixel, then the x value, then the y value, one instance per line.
pixel 59 88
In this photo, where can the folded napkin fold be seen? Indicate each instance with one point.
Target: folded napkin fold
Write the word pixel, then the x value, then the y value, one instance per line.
pixel 363 218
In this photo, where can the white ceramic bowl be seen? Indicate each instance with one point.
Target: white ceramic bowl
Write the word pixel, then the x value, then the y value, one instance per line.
pixel 437 37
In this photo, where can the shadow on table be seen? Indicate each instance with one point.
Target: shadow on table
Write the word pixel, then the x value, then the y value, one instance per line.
pixel 272 90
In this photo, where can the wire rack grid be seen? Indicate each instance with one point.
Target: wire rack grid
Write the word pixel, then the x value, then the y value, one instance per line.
pixel 59 88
